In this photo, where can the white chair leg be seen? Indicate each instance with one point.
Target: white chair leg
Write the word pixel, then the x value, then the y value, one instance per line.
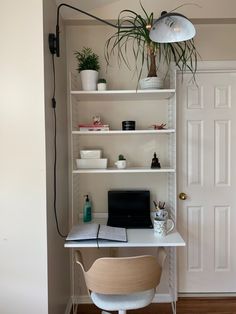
pixel 104 312
pixel 122 312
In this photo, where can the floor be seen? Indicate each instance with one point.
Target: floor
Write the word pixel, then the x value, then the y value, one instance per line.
pixel 184 306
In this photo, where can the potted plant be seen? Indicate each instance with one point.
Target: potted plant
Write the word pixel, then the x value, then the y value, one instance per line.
pixel 88 66
pixel 121 162
pixel 183 54
pixel 102 84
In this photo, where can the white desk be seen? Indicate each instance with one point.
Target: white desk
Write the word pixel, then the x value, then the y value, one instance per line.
pixel 136 238
pixel 143 238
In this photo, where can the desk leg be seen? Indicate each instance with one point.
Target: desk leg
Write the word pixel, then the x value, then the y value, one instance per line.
pixel 161 256
pixel 173 305
pixel 74 308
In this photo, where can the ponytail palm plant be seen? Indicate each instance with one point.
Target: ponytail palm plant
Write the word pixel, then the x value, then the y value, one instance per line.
pixel 134 28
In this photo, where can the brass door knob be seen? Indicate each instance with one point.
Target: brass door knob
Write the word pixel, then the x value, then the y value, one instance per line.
pixel 183 196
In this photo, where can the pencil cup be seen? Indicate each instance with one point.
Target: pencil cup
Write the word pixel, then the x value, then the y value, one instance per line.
pixel 161 214
pixel 163 227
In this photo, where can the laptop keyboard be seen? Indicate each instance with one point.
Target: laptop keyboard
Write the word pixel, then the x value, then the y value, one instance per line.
pixel 132 223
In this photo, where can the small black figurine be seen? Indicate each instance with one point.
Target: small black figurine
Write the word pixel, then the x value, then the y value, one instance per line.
pixel 155 162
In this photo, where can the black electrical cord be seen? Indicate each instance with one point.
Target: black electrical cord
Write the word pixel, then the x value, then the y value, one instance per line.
pixel 55 150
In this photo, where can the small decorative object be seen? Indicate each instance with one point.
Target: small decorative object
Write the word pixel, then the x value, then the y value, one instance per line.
pixel 121 162
pixel 97 120
pixel 155 162
pixel 97 125
pixel 102 84
pixel 128 125
pixel 161 126
pixel 88 66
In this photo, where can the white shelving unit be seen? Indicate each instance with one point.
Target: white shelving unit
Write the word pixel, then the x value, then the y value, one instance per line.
pixel 146 107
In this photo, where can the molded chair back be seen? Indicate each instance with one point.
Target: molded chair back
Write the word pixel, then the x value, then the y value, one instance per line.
pixel 123 275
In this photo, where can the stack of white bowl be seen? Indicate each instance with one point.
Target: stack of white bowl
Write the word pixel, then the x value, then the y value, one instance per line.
pixel 91 159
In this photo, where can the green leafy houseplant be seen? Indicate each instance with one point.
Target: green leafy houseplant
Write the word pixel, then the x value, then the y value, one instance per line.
pixel 183 54
pixel 87 60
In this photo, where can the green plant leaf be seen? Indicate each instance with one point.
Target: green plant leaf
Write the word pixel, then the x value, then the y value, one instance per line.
pixel 183 54
pixel 87 60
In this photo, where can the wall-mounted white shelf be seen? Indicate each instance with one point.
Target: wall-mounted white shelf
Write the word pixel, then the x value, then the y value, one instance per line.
pixel 112 132
pixel 118 95
pixel 126 170
pixel 146 107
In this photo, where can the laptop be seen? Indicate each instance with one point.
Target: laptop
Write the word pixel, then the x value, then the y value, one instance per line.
pixel 129 209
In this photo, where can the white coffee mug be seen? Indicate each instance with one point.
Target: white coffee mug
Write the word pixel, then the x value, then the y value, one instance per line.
pixel 163 227
pixel 120 164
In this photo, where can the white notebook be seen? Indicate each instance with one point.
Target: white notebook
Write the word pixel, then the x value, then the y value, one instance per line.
pixel 93 231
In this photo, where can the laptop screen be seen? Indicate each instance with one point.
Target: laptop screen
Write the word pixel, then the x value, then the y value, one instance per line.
pixel 131 203
pixel 129 209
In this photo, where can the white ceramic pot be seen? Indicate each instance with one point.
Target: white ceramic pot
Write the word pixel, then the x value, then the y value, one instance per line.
pixel 89 79
pixel 102 86
pixel 120 164
pixel 151 83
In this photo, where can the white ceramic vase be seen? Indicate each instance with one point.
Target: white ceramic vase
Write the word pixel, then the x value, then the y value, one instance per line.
pixel 151 83
pixel 89 79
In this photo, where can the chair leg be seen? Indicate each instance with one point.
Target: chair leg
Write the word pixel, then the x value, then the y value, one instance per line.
pixel 104 312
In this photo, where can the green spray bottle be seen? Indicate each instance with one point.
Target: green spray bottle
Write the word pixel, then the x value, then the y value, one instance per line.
pixel 87 210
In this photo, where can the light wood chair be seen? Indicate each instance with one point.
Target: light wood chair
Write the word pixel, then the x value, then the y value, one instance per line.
pixel 123 283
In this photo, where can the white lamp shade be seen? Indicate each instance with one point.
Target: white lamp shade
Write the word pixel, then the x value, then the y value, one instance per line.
pixel 172 27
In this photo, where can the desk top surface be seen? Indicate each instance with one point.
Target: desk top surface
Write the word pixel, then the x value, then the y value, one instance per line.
pixel 136 238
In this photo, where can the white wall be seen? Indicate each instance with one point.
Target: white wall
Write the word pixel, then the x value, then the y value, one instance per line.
pixel 58 256
pixel 23 229
pixel 34 264
pixel 109 9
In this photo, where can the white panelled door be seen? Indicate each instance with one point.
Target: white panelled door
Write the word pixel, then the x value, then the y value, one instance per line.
pixel 207 174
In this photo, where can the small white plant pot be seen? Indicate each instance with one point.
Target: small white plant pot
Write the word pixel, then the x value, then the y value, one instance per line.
pixel 120 164
pixel 89 79
pixel 102 86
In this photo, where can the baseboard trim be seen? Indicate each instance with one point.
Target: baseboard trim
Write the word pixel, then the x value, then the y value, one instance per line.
pixel 207 295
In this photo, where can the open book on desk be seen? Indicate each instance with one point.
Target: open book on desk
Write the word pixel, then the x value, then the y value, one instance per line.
pixel 93 231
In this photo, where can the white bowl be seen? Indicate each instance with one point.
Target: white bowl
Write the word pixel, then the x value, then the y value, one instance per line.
pixel 90 153
pixel 91 163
